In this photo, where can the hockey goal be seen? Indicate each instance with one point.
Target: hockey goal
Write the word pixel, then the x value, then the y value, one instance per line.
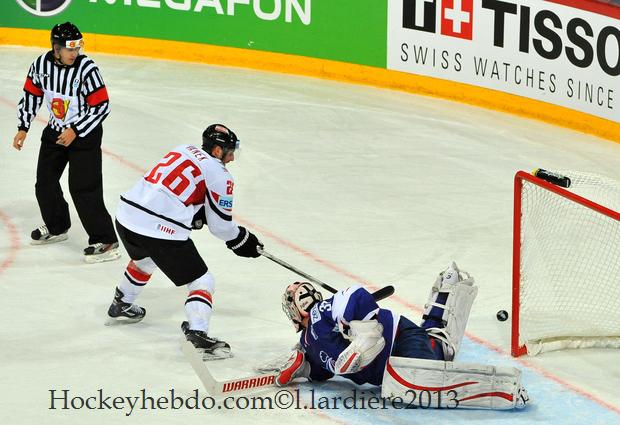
pixel 566 264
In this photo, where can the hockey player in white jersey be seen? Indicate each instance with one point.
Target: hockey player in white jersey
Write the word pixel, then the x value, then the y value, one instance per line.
pixel 351 336
pixel 188 188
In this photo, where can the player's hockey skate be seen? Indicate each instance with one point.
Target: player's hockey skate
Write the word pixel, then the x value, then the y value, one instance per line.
pixel 121 312
pixel 211 348
pixel 100 252
pixel 41 235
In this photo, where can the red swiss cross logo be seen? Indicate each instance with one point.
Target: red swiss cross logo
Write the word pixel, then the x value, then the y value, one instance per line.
pixel 457 18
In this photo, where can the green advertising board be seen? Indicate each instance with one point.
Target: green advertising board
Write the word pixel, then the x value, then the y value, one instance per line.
pixel 343 30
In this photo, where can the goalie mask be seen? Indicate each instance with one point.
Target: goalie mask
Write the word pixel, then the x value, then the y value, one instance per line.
pixel 297 300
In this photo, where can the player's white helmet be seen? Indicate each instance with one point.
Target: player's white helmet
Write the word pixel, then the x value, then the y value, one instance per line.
pixel 297 300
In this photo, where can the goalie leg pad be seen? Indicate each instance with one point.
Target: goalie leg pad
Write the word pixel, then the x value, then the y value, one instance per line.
pixel 438 384
pixel 447 310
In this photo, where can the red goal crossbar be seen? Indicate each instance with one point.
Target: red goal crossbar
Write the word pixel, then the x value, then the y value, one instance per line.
pixel 518 349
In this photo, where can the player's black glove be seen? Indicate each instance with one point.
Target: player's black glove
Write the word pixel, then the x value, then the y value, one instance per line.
pixel 200 219
pixel 246 244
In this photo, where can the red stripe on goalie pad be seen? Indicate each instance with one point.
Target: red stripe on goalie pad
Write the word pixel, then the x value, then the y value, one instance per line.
pixel 494 394
pixel 413 386
pixel 31 88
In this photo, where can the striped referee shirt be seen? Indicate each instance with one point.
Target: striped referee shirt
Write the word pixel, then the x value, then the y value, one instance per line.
pixel 75 95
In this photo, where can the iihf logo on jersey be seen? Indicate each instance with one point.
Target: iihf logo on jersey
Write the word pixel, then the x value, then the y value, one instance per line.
pixel 456 16
pixel 60 108
pixel 166 229
pixel 44 7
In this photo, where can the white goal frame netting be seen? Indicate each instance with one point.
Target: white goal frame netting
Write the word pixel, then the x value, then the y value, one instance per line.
pixel 566 263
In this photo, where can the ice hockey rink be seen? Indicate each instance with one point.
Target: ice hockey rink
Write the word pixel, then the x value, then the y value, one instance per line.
pixel 348 183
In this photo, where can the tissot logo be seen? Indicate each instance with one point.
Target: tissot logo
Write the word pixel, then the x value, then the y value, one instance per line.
pixel 456 16
pixel 539 30
pixel 44 7
pixel 419 14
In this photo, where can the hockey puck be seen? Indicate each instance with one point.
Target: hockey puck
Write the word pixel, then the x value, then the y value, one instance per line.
pixel 502 315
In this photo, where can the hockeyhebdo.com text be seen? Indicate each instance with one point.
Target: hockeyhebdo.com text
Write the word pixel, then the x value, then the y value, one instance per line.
pixel 284 399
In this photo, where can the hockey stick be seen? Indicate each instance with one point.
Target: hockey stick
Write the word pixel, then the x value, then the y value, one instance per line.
pixel 383 293
pixel 229 387
pixel 377 295
pixel 296 270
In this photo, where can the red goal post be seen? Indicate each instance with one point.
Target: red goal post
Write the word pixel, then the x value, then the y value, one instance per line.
pixel 566 264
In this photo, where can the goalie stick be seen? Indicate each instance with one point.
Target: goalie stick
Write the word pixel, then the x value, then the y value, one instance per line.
pixel 230 387
pixel 378 295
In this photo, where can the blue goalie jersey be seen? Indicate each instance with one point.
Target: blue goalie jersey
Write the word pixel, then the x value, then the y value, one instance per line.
pixel 323 342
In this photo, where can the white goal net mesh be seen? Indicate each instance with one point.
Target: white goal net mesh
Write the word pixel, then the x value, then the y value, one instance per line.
pixel 570 266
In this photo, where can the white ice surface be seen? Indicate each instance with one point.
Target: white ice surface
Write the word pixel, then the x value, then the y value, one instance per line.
pixel 348 183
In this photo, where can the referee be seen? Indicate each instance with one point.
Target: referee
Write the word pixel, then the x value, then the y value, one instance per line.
pixel 71 86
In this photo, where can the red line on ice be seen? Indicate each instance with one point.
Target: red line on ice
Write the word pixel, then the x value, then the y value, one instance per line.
pixel 14 241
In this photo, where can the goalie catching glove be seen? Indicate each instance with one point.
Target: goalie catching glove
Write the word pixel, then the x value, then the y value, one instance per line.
pixel 367 342
pixel 245 244
pixel 295 367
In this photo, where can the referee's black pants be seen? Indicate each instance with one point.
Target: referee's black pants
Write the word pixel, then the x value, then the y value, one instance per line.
pixel 85 185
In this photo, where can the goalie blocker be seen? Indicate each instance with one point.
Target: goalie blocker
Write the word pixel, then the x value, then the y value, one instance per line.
pixel 449 385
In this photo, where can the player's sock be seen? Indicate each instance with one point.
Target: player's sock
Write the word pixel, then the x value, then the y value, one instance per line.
pixel 199 302
pixel 136 276
pixel 198 307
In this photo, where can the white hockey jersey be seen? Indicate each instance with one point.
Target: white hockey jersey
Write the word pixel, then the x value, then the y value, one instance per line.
pixel 163 203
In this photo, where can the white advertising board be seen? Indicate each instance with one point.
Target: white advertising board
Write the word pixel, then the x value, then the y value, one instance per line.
pixel 532 48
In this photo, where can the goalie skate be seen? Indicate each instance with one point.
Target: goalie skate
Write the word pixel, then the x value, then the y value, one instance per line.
pixel 210 348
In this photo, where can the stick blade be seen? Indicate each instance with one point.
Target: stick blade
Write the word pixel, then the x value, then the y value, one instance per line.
pixel 383 293
pixel 217 388
pixel 195 360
